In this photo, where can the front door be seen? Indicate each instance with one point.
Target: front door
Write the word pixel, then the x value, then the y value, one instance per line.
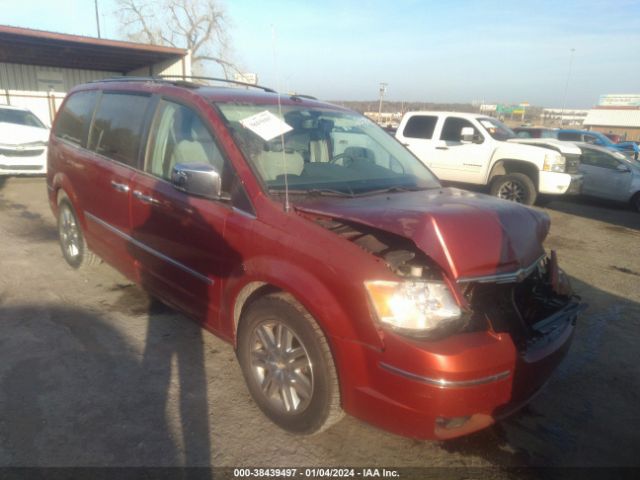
pixel 178 239
pixel 457 161
pixel 602 177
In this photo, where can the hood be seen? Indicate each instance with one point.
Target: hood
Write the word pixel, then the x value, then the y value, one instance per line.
pixel 558 145
pixel 467 234
pixel 12 134
pixel 520 150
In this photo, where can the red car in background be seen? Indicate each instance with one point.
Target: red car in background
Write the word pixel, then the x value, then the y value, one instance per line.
pixel 345 276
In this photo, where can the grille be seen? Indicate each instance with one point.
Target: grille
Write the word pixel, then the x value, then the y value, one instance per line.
pixel 572 162
pixel 10 152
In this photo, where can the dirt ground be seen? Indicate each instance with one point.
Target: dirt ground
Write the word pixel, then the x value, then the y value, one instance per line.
pixel 93 373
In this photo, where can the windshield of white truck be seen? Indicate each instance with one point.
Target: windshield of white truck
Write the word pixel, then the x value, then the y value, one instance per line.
pixel 497 129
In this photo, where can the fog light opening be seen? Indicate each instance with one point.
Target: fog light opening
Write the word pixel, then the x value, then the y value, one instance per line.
pixel 447 428
pixel 449 423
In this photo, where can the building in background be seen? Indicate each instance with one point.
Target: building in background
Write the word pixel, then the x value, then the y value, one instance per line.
pixel 38 68
pixel 618 114
pixel 563 117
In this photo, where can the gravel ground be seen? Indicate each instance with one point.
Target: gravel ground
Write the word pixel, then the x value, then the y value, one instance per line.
pixel 94 373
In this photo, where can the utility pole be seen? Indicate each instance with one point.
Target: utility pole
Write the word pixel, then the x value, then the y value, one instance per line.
pixel 95 2
pixel 383 89
pixel 566 87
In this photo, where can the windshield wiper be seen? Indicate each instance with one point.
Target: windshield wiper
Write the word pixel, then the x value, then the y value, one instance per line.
pixel 314 192
pixel 395 189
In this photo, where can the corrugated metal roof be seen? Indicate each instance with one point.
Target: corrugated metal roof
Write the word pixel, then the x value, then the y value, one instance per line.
pixel 613 117
pixel 36 47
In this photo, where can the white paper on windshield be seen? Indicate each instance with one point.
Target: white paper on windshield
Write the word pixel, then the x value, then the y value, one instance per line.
pixel 488 125
pixel 266 125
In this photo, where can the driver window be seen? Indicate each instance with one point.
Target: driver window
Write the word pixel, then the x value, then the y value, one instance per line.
pixel 452 128
pixel 179 136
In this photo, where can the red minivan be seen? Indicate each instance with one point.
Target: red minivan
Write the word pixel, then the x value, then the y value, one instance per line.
pixel 345 276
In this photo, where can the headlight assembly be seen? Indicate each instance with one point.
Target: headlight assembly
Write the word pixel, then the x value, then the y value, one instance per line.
pixel 418 308
pixel 554 162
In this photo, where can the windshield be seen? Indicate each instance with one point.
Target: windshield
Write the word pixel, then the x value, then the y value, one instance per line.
pixel 20 117
pixel 325 152
pixel 497 129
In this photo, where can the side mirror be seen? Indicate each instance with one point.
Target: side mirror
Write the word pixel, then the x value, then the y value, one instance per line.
pixel 200 179
pixel 466 135
pixel 621 167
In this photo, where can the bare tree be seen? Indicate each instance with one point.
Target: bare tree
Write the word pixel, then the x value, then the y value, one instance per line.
pixel 199 25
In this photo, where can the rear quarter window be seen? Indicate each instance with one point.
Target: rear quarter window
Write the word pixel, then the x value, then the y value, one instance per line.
pixel 569 136
pixel 118 125
pixel 73 120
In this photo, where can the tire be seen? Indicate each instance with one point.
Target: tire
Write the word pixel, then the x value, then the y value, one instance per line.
pixel 288 366
pixel 72 242
pixel 516 187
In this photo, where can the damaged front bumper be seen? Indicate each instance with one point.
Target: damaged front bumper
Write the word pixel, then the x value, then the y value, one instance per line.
pixel 441 389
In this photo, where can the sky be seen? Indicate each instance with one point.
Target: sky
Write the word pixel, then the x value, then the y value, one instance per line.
pixel 425 50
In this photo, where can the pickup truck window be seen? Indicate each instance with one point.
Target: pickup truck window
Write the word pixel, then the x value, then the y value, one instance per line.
pixel 451 131
pixel 420 126
pixel 569 136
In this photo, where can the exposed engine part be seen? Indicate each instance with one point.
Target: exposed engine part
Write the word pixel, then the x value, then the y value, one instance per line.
pixel 516 308
pixel 399 253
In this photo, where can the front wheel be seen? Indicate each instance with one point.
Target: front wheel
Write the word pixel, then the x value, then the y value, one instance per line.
pixel 288 366
pixel 516 187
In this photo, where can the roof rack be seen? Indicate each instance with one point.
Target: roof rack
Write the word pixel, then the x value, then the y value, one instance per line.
pixel 182 80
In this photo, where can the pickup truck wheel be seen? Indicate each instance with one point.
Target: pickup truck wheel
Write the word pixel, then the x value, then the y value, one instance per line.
pixel 287 365
pixel 516 187
pixel 72 242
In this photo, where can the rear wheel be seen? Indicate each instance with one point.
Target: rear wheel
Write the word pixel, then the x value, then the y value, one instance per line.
pixel 72 243
pixel 288 366
pixel 516 187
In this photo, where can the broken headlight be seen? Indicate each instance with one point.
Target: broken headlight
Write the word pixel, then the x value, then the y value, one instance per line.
pixel 419 308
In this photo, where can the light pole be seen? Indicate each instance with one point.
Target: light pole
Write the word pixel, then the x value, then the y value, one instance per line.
pixel 566 87
pixel 95 3
pixel 383 89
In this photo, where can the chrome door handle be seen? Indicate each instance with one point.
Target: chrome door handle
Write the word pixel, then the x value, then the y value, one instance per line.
pixel 120 187
pixel 442 148
pixel 144 198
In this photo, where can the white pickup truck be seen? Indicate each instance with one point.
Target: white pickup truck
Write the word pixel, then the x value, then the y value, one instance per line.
pixel 472 148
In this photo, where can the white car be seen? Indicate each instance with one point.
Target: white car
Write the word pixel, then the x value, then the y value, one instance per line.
pixel 23 142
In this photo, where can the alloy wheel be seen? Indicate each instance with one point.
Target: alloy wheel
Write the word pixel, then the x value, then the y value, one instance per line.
pixel 512 190
pixel 281 366
pixel 69 233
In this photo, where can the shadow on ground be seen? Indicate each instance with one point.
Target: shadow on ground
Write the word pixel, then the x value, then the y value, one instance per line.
pixel 75 392
pixel 616 214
